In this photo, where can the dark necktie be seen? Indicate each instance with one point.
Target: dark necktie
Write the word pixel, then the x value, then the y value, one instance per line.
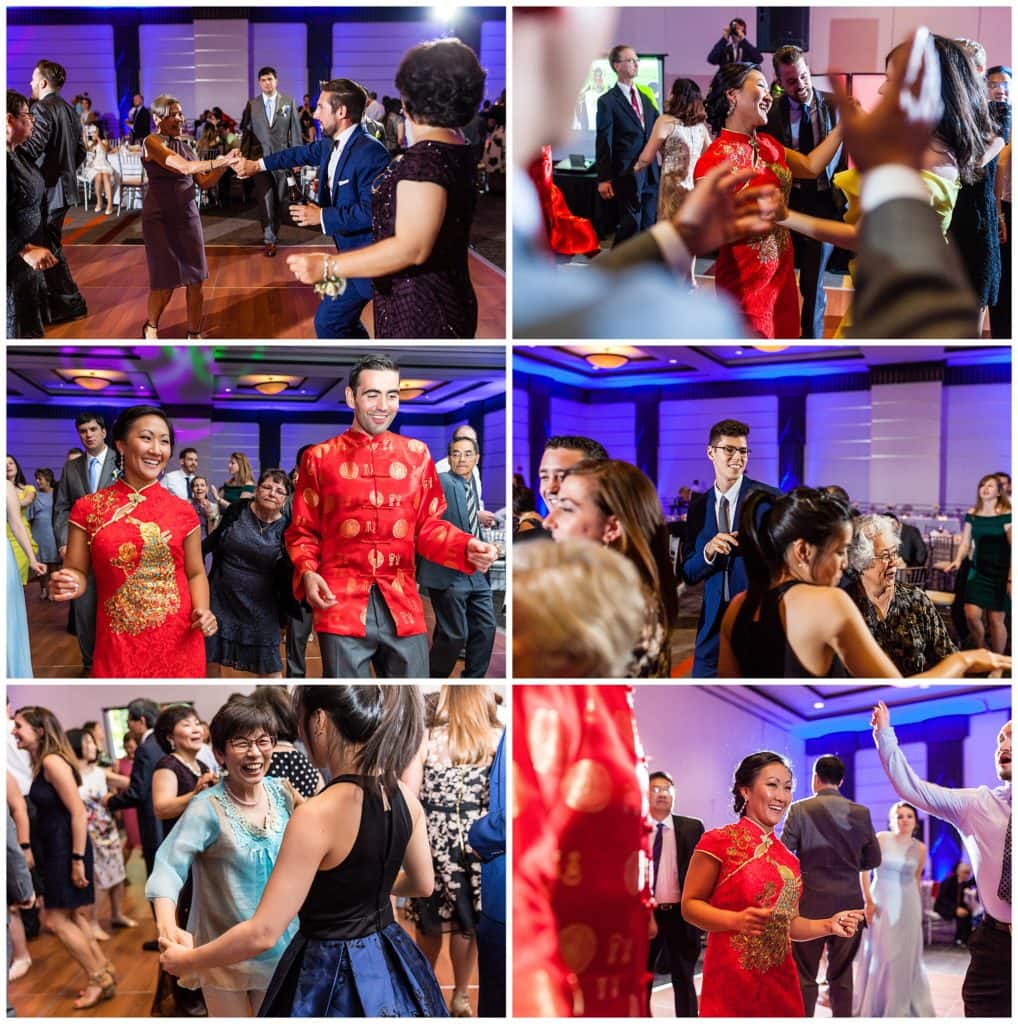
pixel 187 480
pixel 1004 889
pixel 806 142
pixel 637 105
pixel 724 526
pixel 656 851
pixel 472 509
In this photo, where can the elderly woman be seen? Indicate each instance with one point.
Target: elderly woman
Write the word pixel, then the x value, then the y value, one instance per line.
pixel 901 617
pixel 170 225
pixel 251 591
pixel 422 205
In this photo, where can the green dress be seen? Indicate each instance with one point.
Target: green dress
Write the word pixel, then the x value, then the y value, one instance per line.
pixel 986 586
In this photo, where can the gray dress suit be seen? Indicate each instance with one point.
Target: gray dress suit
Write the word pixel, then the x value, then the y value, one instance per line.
pixel 833 838
pixel 262 138
pixel 74 485
pixel 464 613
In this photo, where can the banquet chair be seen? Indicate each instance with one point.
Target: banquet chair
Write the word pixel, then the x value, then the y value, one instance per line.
pixel 914 575
pixel 132 180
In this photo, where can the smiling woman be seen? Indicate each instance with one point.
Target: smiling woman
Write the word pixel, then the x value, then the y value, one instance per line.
pixel 144 547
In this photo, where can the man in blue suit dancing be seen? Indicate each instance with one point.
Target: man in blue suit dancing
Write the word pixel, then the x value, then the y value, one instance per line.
pixel 713 526
pixel 348 161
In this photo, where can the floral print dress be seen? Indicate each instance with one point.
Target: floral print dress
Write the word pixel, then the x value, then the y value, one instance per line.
pixel 454 796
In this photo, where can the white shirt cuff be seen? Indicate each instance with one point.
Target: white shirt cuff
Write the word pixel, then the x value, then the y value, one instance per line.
pixel 673 249
pixel 709 561
pixel 261 164
pixel 891 181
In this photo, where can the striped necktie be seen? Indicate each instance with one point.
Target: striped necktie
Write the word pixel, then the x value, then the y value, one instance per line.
pixel 472 508
pixel 1004 889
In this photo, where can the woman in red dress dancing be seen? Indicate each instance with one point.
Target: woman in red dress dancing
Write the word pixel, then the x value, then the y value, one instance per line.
pixel 743 888
pixel 144 546
pixel 758 272
pixel 581 899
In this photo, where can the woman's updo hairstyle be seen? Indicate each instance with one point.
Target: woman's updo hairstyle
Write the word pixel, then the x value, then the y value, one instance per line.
pixel 749 768
pixel 767 525
pixel 717 104
pixel 385 722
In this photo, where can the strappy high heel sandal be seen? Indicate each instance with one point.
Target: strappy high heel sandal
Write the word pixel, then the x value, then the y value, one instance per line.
pixel 149 332
pixel 193 335
pixel 103 987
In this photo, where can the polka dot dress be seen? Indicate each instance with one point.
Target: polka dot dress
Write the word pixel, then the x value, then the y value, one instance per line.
pixel 293 765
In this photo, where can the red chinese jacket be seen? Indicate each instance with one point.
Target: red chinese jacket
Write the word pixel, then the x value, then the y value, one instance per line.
pixel 363 508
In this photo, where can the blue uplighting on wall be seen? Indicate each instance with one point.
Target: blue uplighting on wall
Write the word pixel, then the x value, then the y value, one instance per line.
pixel 909 714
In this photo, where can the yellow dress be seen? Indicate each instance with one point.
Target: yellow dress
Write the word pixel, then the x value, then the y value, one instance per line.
pixel 943 196
pixel 28 491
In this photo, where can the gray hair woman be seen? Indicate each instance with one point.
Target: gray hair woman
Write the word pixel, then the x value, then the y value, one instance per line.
pixel 901 617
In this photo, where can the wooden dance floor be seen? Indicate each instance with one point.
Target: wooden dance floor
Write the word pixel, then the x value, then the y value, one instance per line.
pixel 55 653
pixel 945 967
pixel 53 983
pixel 246 295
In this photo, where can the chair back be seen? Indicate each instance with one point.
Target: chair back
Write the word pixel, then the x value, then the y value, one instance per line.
pixel 915 575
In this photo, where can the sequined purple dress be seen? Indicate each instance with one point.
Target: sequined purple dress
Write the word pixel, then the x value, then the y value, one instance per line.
pixel 170 225
pixel 435 299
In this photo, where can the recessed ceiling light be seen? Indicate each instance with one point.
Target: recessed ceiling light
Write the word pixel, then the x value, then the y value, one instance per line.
pixel 818 705
pixel 673 361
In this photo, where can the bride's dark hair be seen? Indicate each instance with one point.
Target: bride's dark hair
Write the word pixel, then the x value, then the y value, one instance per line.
pixel 385 722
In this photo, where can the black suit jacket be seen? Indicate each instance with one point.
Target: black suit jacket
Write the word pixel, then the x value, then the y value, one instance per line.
pixel 142 126
pixel 909 282
pixel 721 52
pixel 57 145
pixel 688 832
pixel 139 793
pixel 779 124
pixel 621 138
pixel 833 838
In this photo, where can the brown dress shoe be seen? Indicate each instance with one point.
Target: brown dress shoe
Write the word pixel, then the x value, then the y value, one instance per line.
pixel 270 248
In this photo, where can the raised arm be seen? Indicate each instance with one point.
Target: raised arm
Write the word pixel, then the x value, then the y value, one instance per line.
pixel 809 165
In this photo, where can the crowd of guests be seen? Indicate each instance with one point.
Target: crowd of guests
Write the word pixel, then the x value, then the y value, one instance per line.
pixel 244 839
pixel 777 890
pixel 794 585
pixel 391 156
pixel 171 576
pixel 792 153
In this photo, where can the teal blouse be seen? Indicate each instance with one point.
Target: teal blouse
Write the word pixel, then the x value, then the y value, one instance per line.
pixel 231 861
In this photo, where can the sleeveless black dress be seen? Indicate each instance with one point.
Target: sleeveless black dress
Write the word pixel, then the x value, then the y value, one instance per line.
pixel 350 958
pixel 761 646
pixel 51 842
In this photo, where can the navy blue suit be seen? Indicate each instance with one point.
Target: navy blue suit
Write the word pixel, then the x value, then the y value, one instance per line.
pixel 346 216
pixel 620 140
pixel 464 612
pixel 701 526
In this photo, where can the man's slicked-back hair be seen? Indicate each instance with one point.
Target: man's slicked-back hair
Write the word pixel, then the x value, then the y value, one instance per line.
pixel 345 92
pixel 577 443
pixel 372 362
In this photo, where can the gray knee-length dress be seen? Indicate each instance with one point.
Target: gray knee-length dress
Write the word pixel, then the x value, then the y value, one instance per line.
pixel 170 224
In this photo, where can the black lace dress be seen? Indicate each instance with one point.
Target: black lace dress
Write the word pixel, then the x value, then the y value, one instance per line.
pixel 25 191
pixel 435 299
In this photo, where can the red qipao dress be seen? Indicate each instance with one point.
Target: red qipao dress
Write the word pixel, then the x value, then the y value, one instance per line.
pixel 581 897
pixel 759 272
pixel 752 975
pixel 136 546
pixel 363 508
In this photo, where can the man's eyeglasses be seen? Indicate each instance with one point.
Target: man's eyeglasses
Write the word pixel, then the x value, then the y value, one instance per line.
pixel 660 789
pixel 242 746
pixel 628 60
pixel 731 450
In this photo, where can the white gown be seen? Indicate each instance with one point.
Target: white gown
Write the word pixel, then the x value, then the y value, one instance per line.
pixel 890 979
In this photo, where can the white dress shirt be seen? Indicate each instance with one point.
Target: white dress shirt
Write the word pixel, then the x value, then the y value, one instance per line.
pixel 980 815
pixel 666 885
pixel 176 483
